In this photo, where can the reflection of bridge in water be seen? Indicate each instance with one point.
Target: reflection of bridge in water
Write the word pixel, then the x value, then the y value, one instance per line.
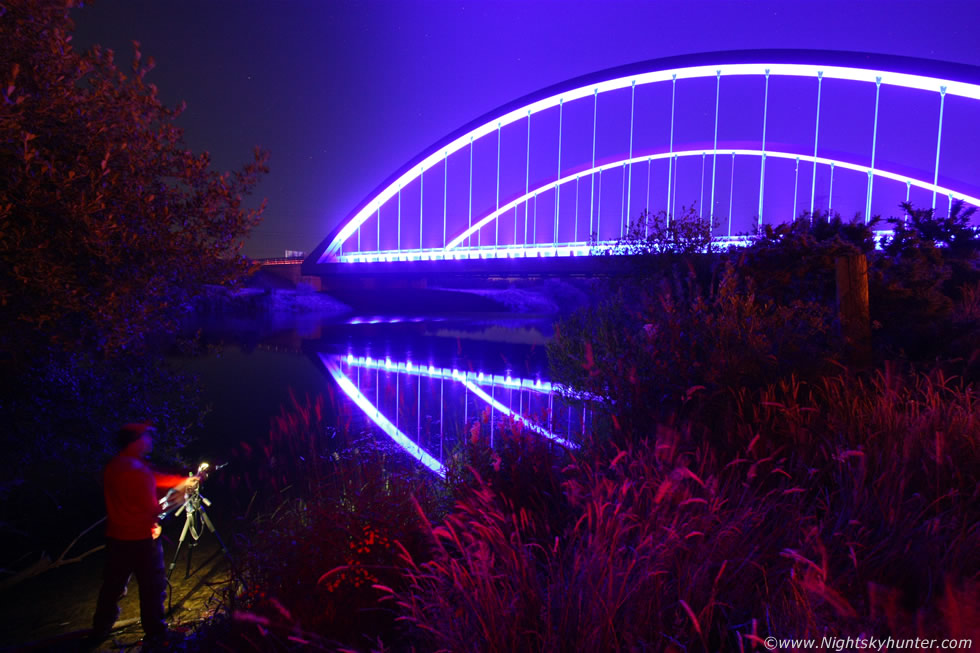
pixel 425 409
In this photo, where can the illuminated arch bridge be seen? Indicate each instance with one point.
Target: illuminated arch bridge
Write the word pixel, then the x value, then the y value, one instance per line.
pixel 741 138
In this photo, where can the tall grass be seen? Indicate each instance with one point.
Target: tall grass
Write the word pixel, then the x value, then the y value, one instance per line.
pixel 325 536
pixel 849 507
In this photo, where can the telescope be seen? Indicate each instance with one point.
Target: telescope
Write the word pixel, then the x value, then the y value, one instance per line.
pixel 193 504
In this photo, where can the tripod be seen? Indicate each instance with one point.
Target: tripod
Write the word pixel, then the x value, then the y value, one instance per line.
pixel 195 521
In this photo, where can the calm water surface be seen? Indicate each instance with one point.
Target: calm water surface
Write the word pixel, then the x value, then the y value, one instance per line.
pixel 418 384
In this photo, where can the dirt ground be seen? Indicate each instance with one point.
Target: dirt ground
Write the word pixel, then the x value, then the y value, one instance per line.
pixel 52 611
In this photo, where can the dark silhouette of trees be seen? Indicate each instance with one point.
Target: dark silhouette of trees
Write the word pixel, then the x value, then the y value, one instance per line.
pixel 109 228
pixel 109 225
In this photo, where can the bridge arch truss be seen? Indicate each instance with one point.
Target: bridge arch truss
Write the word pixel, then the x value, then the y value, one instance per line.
pixel 528 178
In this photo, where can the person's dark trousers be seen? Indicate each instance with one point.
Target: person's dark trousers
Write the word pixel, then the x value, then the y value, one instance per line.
pixel 124 558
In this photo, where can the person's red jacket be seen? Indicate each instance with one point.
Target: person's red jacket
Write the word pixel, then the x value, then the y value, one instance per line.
pixel 131 497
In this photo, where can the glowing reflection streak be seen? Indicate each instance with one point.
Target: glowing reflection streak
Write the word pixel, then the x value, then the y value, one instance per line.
pixel 471 381
pixel 920 82
pixel 478 391
pixel 383 422
pixel 433 372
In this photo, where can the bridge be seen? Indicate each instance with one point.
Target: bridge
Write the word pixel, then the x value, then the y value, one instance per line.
pixel 741 138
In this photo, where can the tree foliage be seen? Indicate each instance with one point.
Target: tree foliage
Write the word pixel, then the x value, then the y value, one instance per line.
pixel 683 233
pixel 108 223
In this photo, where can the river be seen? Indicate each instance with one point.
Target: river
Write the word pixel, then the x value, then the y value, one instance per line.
pixel 419 383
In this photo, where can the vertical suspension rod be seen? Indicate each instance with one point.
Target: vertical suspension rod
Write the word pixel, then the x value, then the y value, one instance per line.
pixel 714 155
pixel 816 135
pixel 731 197
pixel 595 115
pixel 762 166
pixel 796 186
pixel 646 205
pixel 670 158
pixel 421 202
pixel 598 216
pixel 527 173
pixel 496 222
pixel 629 182
pixel 622 204
pixel 575 229
pixel 874 143
pixel 557 193
pixel 830 196
pixel 445 193
pixel 469 239
pixel 701 192
pixel 939 140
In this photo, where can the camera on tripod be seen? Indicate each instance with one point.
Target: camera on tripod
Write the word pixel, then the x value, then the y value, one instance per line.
pixel 193 504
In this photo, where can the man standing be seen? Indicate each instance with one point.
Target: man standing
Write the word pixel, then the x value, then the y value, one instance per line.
pixel 132 532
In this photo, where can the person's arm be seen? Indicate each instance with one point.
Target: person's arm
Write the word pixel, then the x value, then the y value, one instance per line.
pixel 174 481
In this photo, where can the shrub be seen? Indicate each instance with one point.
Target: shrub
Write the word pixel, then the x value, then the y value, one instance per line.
pixel 683 234
pixel 648 358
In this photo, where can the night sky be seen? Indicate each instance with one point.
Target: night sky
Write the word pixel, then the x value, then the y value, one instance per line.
pixel 343 93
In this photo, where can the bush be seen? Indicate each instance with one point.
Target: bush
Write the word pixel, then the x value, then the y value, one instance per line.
pixel 649 358
pixel 658 233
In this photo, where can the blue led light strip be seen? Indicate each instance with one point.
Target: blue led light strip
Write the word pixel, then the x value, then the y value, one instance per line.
pixel 963 89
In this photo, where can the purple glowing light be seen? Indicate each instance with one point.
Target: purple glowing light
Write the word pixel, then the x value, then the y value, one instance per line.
pixel 471 381
pixel 878 77
pixel 582 249
pixel 478 391
pixel 383 422
pixel 918 183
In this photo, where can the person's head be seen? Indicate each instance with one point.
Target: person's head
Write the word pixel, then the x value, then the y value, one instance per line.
pixel 135 438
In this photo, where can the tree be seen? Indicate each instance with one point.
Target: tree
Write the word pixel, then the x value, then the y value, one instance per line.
pixel 109 225
pixel 658 233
